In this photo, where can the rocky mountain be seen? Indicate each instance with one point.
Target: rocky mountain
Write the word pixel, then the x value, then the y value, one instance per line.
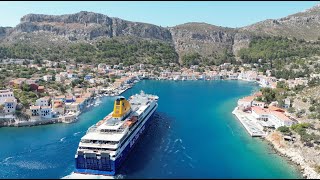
pixel 205 39
pixel 302 25
pixel 82 26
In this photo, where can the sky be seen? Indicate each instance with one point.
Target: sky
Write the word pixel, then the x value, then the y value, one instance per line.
pixel 162 13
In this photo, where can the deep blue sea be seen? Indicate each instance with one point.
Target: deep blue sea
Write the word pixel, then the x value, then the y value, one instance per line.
pixel 194 135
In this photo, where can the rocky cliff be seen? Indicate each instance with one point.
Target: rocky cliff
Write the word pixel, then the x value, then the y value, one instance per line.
pixel 203 38
pixel 83 26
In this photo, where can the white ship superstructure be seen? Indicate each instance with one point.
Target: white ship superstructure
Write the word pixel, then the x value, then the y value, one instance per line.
pixel 107 143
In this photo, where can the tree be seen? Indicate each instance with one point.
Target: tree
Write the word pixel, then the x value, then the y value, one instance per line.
pixel 291 110
pixel 25 87
pixel 284 129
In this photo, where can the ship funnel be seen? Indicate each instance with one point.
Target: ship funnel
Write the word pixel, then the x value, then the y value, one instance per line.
pixel 121 108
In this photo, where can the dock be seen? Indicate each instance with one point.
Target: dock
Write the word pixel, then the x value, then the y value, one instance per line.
pixel 251 125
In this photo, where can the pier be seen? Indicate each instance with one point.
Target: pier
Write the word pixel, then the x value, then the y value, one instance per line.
pixel 252 127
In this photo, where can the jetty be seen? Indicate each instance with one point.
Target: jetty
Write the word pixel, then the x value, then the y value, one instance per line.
pixel 252 127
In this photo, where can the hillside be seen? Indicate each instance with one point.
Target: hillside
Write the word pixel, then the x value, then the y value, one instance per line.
pixel 303 25
pixel 192 42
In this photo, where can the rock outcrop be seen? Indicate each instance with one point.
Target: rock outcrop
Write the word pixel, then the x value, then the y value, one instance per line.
pixel 85 26
pixel 203 38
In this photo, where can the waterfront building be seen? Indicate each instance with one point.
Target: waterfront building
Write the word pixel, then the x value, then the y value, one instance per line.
pixel 72 107
pixel 45 112
pixel 279 119
pixel 35 110
pixel 61 97
pixel 10 104
pixel 245 103
pixel 81 103
pixel 58 106
pixel 258 103
pixel 260 113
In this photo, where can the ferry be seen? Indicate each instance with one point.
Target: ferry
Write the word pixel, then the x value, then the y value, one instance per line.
pixel 106 144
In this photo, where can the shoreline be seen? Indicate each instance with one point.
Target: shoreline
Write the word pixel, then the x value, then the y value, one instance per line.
pixel 291 155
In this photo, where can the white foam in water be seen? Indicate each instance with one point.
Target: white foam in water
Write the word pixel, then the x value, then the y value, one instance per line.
pixel 62 139
pixel 76 133
pixel 88 176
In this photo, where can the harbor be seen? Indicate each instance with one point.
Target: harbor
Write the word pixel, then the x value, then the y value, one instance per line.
pixel 49 151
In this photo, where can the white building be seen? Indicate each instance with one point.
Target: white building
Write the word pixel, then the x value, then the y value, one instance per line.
pixel 47 77
pixel 258 103
pixel 245 102
pixel 59 78
pixel 10 105
pixel 41 111
pixel 8 101
pixel 276 118
pixel 279 119
pixel 4 94
pixel 45 112
pixel 44 101
pixel 260 113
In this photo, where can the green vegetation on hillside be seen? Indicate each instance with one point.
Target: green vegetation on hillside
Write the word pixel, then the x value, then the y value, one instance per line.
pixel 271 48
pixel 214 59
pixel 112 51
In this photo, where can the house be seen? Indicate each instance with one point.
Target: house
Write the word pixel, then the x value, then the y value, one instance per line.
pixel 72 107
pixel 59 78
pixel 81 103
pixel 35 110
pixel 58 107
pixel 47 77
pixel 70 99
pixel 41 111
pixel 4 94
pixel 45 112
pixel 44 101
pixel 287 103
pixel 41 89
pixel 245 102
pixel 10 105
pixel 61 97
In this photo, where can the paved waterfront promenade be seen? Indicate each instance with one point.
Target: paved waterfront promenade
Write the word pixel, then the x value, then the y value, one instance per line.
pixel 252 127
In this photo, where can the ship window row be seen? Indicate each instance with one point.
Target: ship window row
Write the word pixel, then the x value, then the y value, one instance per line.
pixel 111 130
pixel 97 149
pixel 100 142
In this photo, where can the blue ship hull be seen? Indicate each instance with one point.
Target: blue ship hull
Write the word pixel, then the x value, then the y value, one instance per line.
pixel 102 166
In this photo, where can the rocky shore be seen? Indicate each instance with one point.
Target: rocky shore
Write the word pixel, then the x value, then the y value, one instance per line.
pixel 295 154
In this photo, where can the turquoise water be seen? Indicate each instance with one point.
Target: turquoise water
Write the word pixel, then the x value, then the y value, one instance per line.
pixel 194 135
